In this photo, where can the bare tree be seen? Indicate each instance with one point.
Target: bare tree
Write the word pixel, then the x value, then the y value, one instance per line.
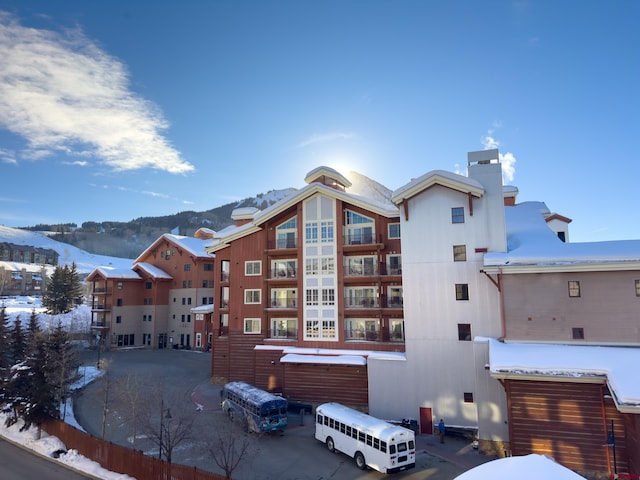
pixel 106 389
pixel 129 390
pixel 229 446
pixel 168 424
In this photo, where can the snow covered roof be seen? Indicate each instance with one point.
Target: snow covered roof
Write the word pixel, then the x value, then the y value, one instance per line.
pixel 526 467
pixel 203 309
pixel 153 271
pixel 532 244
pixel 613 364
pixel 195 246
pixel 437 177
pixel 115 273
pixel 324 359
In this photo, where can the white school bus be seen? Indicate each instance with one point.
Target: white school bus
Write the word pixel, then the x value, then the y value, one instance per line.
pixel 370 441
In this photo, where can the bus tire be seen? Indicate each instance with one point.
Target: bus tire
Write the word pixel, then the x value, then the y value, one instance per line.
pixel 360 462
pixel 330 445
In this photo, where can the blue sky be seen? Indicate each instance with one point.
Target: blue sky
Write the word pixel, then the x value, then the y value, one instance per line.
pixel 113 110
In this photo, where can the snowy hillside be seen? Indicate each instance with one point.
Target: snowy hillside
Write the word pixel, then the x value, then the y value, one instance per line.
pixel 86 262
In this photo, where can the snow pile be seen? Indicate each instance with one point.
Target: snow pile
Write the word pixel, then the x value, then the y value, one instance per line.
pixel 528 467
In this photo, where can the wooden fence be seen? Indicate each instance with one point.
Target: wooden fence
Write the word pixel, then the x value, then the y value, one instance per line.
pixel 117 458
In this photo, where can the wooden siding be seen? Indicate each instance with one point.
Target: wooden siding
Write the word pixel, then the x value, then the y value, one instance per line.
pixel 607 308
pixel 632 440
pixel 322 383
pixel 567 421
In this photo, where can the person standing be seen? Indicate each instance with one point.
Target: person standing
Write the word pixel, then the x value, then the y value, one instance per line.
pixel 441 430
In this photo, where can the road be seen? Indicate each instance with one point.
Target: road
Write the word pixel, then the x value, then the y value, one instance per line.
pixel 18 464
pixel 296 455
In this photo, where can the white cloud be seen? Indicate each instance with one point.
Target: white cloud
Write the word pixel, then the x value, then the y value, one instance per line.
pixel 62 93
pixel 324 138
pixel 507 160
pixel 7 156
pixel 78 163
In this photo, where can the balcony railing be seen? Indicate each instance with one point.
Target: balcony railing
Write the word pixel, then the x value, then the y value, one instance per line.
pixel 359 239
pixel 286 334
pixel 360 271
pixel 395 302
pixel 368 335
pixel 101 307
pixel 288 302
pixel 283 273
pixel 378 334
pixel 100 290
pixel 367 302
pixel 282 243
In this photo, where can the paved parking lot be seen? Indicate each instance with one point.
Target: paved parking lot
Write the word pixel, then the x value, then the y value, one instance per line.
pixel 183 376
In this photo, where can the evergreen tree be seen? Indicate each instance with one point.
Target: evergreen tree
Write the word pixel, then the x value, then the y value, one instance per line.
pixel 17 381
pixel 64 362
pixel 63 291
pixel 40 402
pixel 17 347
pixel 33 330
pixel 5 359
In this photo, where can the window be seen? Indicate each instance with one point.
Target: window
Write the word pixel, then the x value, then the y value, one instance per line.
pixel 284 268
pixel 208 267
pixel 286 234
pixel 459 253
pixel 394 297
pixel 362 329
pixel 464 332
pixel 577 333
pixel 358 229
pixel 396 329
pixel 252 296
pixel 637 288
pixel 326 231
pixel 253 267
pixel 187 267
pixel 394 264
pixel 457 215
pixel 284 297
pixel 328 296
pixel 462 291
pixel 148 285
pixel 119 319
pixel 361 266
pixel 468 397
pixel 360 297
pixel 312 296
pixel 119 302
pixel 225 268
pixel 311 232
pixel 284 328
pixel 394 230
pixel 312 266
pixel 120 285
pixel 328 266
pixel 574 288
pixel 252 325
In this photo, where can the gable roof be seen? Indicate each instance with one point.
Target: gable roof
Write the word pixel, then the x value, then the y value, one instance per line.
pixel 195 246
pixel 114 273
pixel 152 271
pixel 223 238
pixel 450 180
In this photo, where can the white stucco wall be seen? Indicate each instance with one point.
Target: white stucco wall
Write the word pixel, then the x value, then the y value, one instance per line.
pixel 440 368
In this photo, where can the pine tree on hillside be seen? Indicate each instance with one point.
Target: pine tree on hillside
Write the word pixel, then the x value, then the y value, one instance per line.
pixel 17 346
pixel 16 387
pixel 34 328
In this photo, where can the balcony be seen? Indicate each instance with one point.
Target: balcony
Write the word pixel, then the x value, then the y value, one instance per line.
pixel 284 334
pixel 373 333
pixel 101 307
pixel 283 274
pixel 100 291
pixel 282 244
pixel 284 302
pixel 360 302
pixel 395 302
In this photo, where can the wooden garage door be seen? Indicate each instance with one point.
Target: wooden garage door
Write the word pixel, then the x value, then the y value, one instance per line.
pixel 563 420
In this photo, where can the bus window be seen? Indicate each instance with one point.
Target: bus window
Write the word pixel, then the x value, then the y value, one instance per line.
pixel 342 427
pixel 369 440
pixel 376 444
pixel 331 423
pixel 361 436
pixel 348 432
pixel 392 449
pixel 354 433
pixel 319 419
pixel 412 446
pixel 383 447
pixel 402 447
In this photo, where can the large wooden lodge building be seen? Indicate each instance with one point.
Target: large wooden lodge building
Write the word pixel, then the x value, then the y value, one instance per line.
pixel 443 299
